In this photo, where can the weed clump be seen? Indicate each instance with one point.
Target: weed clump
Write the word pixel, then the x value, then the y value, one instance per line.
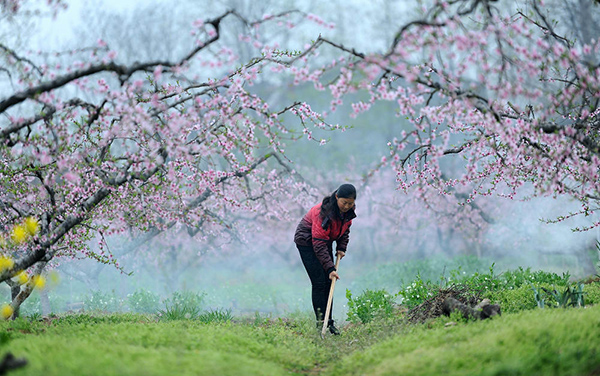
pixel 218 315
pixel 369 305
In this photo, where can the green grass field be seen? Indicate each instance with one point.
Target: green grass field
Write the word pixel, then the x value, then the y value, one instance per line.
pixel 550 325
pixel 534 342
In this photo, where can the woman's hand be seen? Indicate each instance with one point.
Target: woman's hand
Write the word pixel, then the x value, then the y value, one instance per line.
pixel 341 254
pixel 333 275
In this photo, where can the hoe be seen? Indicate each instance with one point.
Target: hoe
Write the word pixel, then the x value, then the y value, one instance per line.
pixel 329 300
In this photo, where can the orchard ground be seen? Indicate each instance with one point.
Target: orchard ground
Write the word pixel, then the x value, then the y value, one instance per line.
pixel 182 338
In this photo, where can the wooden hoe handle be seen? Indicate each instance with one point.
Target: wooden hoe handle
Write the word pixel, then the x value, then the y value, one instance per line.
pixel 330 299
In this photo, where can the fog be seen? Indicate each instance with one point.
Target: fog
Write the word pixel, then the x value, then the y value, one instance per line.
pixel 268 279
pixel 264 275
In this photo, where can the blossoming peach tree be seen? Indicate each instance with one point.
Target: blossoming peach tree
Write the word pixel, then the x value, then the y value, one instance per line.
pixel 499 102
pixel 94 148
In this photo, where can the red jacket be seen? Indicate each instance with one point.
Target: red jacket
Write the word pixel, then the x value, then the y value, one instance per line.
pixel 310 232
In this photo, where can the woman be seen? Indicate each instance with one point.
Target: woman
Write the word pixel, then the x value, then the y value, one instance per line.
pixel 325 223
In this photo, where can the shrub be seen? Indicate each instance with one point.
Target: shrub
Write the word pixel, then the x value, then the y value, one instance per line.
pixel 519 277
pixel 510 279
pixel 186 298
pixel 476 281
pixel 416 292
pixel 513 300
pixel 100 301
pixel 592 293
pixel 143 301
pixel 513 290
pixel 544 295
pixel 369 305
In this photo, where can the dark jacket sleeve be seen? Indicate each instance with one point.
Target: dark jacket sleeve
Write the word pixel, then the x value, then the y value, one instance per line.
pixel 342 242
pixel 320 240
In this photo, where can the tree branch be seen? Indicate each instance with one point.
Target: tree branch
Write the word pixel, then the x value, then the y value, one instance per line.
pixel 123 71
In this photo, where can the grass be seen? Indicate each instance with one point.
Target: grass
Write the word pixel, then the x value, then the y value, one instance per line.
pixel 538 342
pixel 535 342
pixel 525 340
pixel 138 346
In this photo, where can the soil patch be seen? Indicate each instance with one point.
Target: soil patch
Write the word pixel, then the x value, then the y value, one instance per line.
pixel 433 307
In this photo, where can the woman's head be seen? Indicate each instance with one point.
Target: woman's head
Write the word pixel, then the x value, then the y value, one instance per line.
pixel 340 201
pixel 345 196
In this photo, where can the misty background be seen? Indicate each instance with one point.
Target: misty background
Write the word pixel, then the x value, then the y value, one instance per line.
pixel 261 272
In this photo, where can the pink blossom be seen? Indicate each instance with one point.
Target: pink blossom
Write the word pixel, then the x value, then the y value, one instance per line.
pixel 158 72
pixel 72 177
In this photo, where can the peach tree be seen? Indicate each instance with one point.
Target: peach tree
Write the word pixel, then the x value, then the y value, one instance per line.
pixel 91 148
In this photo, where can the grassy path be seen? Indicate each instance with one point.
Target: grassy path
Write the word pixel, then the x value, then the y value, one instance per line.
pixel 538 342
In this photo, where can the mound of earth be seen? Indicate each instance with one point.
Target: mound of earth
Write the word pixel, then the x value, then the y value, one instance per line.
pixel 453 298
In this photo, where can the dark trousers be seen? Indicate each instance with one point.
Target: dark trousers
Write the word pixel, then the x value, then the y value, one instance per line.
pixel 319 279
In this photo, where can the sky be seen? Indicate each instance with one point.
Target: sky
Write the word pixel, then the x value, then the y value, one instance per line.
pixel 60 29
pixel 358 33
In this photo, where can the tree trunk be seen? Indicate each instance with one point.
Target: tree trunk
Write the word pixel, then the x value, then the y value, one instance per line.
pixel 14 292
pixel 23 292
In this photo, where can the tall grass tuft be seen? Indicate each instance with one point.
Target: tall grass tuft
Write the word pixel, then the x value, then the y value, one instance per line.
pixel 218 315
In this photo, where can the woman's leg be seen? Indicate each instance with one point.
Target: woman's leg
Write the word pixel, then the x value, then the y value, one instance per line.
pixel 319 280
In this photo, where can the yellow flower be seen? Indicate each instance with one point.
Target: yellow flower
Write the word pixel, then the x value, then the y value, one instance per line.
pixel 32 226
pixel 19 234
pixel 5 263
pixel 22 277
pixel 38 281
pixel 6 311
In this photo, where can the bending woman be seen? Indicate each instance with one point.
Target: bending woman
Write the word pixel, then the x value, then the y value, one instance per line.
pixel 325 223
